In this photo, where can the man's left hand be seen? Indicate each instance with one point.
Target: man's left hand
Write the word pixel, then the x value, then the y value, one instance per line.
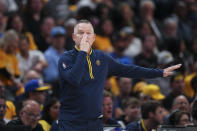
pixel 169 71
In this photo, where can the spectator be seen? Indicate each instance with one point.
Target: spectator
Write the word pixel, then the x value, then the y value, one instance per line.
pixel 44 40
pixel 9 71
pixel 152 117
pixel 135 46
pixel 131 108
pixel 120 41
pixel 33 15
pixel 3 120
pixel 58 9
pixel 181 103
pixel 127 14
pixel 181 14
pixel 35 90
pixel 29 116
pixel 50 113
pixel 147 58
pixel 28 59
pixel 176 84
pixel 147 10
pixel 103 34
pixel 107 109
pixel 10 107
pixel 15 22
pixel 182 118
pixel 52 55
pixel 69 26
pixel 125 85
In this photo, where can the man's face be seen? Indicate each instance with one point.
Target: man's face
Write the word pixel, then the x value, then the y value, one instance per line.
pixel 158 116
pixel 80 30
pixel 150 43
pixel 133 111
pixel 182 104
pixel 58 41
pixel 184 120
pixel 39 96
pixel 177 86
pixel 2 108
pixel 125 85
pixel 107 107
pixel 30 116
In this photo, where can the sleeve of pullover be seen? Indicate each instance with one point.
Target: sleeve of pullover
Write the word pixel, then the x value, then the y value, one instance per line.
pixel 131 71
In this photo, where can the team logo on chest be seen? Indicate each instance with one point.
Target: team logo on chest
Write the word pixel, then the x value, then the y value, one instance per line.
pixel 64 65
pixel 98 62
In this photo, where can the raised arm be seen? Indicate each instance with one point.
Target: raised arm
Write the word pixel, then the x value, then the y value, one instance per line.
pixel 133 71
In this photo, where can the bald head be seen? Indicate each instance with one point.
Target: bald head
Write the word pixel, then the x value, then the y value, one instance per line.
pixel 30 113
pixel 181 103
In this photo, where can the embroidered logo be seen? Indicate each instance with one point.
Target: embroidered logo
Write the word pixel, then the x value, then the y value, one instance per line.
pixel 98 62
pixel 64 65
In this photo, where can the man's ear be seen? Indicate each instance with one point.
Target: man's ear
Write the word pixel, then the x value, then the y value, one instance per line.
pixel 73 36
pixel 150 115
pixel 21 113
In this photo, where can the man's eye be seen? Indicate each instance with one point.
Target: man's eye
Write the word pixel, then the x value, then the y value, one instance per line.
pixel 80 33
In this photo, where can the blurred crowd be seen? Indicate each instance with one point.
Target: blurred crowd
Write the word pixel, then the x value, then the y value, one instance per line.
pixel 148 33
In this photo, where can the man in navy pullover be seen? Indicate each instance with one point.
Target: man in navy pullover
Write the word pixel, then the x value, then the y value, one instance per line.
pixel 82 75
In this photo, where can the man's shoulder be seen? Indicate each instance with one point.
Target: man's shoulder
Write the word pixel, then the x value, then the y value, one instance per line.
pixel 133 126
pixel 15 122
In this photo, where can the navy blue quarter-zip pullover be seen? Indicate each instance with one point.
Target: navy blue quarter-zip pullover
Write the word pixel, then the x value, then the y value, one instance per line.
pixel 82 78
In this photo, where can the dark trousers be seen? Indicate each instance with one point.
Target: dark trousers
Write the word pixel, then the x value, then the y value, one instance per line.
pixel 91 125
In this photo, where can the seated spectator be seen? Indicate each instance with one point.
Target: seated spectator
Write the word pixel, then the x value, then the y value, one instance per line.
pixel 176 85
pixel 35 90
pixel 52 55
pixel 9 71
pixel 3 120
pixel 29 116
pixel 152 117
pixel 50 113
pixel 10 107
pixel 44 39
pixel 15 22
pixel 69 26
pixel 107 109
pixel 125 85
pixel 181 103
pixel 182 118
pixel 27 59
pixel 131 110
pixel 120 41
pixel 135 46
pixel 103 34
pixel 147 58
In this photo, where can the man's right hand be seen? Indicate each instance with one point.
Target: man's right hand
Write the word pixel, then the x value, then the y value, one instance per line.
pixel 84 44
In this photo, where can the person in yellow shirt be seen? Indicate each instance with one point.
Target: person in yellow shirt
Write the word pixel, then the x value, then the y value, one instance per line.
pixel 103 33
pixel 10 107
pixel 50 113
pixel 9 65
